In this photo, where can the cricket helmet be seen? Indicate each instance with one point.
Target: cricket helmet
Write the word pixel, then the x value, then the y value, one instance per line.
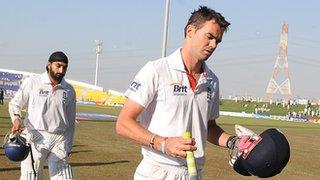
pixel 267 158
pixel 15 147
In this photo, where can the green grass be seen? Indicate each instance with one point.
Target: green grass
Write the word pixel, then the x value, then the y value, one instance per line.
pixel 99 109
pixel 99 153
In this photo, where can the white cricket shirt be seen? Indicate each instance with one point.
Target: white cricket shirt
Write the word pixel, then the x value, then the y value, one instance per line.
pixel 50 109
pixel 171 107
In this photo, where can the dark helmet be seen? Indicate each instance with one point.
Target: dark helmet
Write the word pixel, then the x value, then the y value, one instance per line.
pixel 268 157
pixel 15 147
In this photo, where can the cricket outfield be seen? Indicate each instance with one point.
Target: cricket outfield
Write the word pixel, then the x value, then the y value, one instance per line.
pixel 99 153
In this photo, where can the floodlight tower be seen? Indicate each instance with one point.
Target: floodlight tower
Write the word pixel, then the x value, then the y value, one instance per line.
pixel 165 29
pixel 98 52
pixel 279 83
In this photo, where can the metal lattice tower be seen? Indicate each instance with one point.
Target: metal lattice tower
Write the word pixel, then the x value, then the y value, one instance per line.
pixel 279 85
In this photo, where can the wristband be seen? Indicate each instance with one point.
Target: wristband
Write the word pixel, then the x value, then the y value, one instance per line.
pixel 163 145
pixel 230 142
pixel 151 143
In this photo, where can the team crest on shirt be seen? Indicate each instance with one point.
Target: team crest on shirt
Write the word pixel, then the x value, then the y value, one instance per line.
pixel 64 97
pixel 179 89
pixel 210 90
pixel 209 93
pixel 43 92
pixel 135 86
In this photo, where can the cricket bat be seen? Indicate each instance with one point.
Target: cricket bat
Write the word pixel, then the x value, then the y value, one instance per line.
pixel 191 163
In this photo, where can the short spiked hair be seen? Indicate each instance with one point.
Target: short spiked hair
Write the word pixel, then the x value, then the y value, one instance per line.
pixel 203 14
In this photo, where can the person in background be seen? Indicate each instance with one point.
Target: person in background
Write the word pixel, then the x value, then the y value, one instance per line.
pixel 1 96
pixel 50 120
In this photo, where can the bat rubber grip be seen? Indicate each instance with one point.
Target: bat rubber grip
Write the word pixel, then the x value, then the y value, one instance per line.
pixel 191 163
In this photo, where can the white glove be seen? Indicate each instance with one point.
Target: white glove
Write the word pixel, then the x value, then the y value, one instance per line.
pixel 242 144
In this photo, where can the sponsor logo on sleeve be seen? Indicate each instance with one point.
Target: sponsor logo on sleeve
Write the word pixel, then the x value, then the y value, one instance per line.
pixel 135 86
pixel 43 92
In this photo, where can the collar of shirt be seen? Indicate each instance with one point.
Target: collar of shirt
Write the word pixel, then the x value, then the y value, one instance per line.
pixel 176 63
pixel 46 80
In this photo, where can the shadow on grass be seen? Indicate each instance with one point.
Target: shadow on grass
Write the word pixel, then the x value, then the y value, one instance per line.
pixel 98 163
pixel 10 169
pixel 97 120
pixel 8 127
pixel 2 135
pixel 4 117
pixel 75 152
pixel 73 165
pixel 79 145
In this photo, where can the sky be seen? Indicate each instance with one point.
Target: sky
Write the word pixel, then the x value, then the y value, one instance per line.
pixel 132 30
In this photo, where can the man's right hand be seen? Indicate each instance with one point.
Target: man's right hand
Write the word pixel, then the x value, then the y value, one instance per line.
pixel 17 125
pixel 178 146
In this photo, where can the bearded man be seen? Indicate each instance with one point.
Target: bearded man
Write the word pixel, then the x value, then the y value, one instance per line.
pixel 50 120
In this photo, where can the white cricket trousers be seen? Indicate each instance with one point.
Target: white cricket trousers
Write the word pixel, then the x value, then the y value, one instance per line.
pixel 151 171
pixel 46 146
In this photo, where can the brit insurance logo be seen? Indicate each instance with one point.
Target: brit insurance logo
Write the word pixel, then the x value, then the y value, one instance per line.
pixel 135 86
pixel 179 89
pixel 43 92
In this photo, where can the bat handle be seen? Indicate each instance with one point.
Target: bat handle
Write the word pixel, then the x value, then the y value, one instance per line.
pixel 191 163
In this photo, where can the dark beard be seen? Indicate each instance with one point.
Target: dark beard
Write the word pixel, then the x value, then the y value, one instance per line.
pixel 56 76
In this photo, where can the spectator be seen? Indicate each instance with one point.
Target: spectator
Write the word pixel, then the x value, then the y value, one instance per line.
pixel 1 96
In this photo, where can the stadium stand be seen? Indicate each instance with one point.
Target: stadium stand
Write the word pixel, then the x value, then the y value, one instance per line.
pixel 10 80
